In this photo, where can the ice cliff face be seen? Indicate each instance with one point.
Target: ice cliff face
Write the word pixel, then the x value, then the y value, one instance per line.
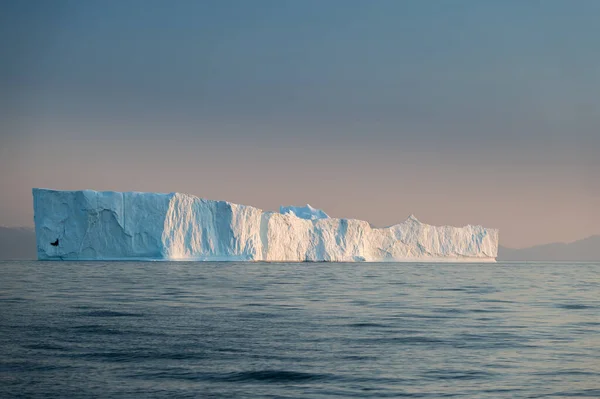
pixel 111 225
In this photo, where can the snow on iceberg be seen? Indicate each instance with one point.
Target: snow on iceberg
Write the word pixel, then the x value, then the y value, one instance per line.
pixel 304 212
pixel 88 225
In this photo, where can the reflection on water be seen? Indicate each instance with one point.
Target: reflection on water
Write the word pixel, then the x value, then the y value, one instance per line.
pixel 154 329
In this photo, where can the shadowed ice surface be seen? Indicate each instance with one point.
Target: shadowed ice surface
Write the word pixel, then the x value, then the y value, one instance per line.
pixel 316 330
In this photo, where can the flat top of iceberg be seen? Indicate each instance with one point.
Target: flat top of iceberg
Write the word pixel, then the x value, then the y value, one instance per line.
pixel 304 212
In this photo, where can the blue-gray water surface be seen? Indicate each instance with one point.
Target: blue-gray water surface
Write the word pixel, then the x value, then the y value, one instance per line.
pixel 310 330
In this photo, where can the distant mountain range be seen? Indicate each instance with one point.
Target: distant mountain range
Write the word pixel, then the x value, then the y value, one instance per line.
pixel 18 243
pixel 586 250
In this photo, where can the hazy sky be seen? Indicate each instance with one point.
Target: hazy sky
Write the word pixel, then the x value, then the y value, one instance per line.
pixel 481 112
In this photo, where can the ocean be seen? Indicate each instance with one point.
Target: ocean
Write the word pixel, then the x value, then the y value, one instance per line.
pixel 299 330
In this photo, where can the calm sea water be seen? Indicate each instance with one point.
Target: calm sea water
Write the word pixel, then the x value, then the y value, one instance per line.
pixel 312 330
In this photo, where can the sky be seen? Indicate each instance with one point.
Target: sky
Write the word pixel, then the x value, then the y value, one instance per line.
pixel 459 112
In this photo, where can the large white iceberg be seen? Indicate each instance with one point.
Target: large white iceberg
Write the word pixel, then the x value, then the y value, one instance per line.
pixel 87 225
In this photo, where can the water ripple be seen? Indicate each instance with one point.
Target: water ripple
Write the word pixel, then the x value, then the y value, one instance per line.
pixel 276 330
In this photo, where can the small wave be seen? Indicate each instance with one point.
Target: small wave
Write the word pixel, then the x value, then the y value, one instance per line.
pixel 491 341
pixel 14 299
pixel 368 324
pixel 574 306
pixel 457 375
pixel 359 358
pixel 268 376
pixel 109 313
pixel 496 301
pixel 50 347
pixel 135 356
pixel 567 372
pixel 30 366
pixel 96 329
pixel 273 376
pixel 104 330
pixel 451 310
pixel 588 323
pixel 402 340
pixel 229 350
pixel 420 316
pixel 489 310
pixel 585 393
pixel 259 315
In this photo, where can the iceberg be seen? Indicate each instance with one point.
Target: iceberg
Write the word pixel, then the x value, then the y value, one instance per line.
pixel 94 225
